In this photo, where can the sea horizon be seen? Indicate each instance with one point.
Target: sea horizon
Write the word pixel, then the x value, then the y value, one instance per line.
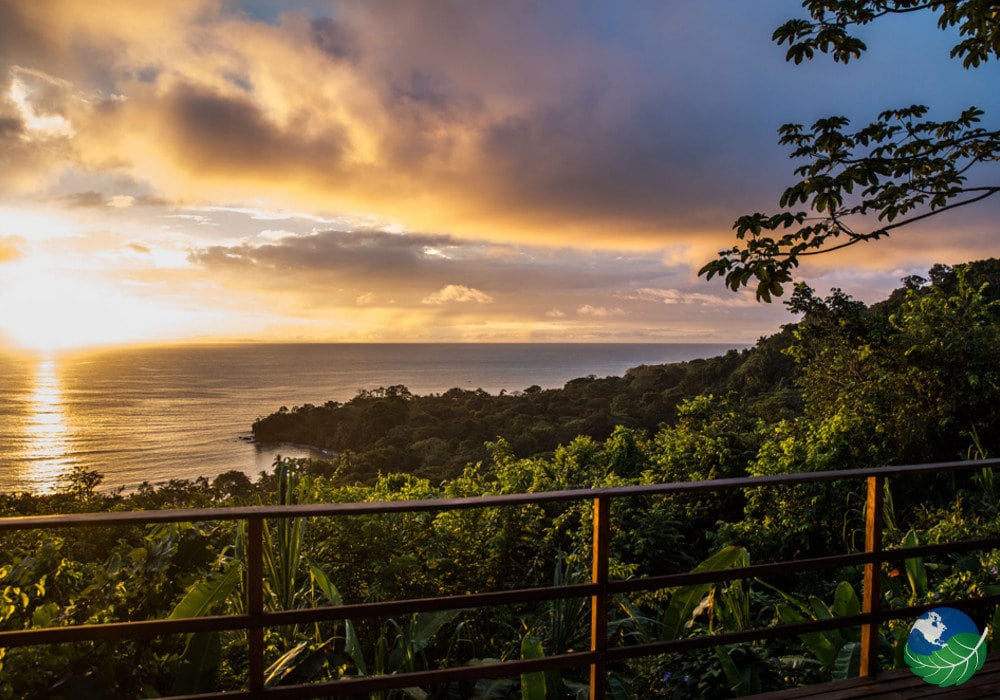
pixel 152 413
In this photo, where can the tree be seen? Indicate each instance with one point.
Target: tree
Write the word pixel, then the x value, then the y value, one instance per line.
pixel 859 185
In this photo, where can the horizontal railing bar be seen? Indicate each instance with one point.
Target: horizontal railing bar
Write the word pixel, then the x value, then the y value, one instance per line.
pixel 417 605
pixel 918 610
pixel 649 583
pixel 794 628
pixel 352 686
pixel 926 550
pixel 113 631
pixel 147 628
pixel 360 685
pixel 716 640
pixel 444 504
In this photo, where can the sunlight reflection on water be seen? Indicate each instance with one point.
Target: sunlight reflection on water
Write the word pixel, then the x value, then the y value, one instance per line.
pixel 46 431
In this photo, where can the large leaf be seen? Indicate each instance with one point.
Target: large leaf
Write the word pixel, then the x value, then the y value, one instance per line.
pixel 962 656
pixel 204 595
pixel 532 684
pixel 686 599
pixel 737 682
pixel 915 571
pixel 203 651
pixel 324 583
pixel 352 645
pixel 818 643
pixel 428 624
pixel 300 664
pixel 415 637
pixel 848 663
pixel 202 655
pixel 845 601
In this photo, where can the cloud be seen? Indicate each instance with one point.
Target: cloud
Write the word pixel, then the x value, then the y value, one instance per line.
pixel 676 296
pixel 121 201
pixel 11 248
pixel 458 293
pixel 577 162
pixel 340 269
pixel 600 311
pixel 89 198
pixel 528 124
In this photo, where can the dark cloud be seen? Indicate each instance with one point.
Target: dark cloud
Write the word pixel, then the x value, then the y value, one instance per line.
pixel 354 253
pixel 591 131
pixel 21 42
pixel 10 128
pixel 152 201
pixel 227 133
pixel 85 199
pixel 333 38
pixel 422 261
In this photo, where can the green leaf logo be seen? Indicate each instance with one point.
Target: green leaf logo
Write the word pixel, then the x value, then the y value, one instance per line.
pixel 945 654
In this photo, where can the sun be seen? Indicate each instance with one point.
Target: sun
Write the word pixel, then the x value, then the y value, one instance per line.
pixel 58 309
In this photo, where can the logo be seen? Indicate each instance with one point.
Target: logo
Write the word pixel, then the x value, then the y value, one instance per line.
pixel 945 647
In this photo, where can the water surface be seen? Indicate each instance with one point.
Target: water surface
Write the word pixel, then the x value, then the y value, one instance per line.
pixel 153 414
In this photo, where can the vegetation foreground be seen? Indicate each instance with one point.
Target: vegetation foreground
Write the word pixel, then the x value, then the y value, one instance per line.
pixel 915 378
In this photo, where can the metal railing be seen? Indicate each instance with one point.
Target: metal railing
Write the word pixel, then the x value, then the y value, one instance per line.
pixel 599 590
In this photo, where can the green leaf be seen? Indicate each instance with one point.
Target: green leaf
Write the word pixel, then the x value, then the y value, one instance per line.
pixel 427 624
pixel 686 598
pixel 45 615
pixel 352 646
pixel 962 656
pixel 532 684
pixel 915 571
pixel 203 651
pixel 204 595
pixel 299 664
pixel 848 663
pixel 819 643
pixel 325 584
pixel 202 655
pixel 737 682
pixel 845 600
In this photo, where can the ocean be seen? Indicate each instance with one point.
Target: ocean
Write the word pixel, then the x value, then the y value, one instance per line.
pixel 153 414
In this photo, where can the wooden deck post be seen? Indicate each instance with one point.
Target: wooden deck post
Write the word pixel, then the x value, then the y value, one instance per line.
pixel 872 595
pixel 599 601
pixel 255 602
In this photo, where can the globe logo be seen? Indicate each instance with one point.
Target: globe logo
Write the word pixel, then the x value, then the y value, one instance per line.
pixel 945 647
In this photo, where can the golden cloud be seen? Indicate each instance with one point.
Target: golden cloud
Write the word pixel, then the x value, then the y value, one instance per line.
pixel 458 293
pixel 11 248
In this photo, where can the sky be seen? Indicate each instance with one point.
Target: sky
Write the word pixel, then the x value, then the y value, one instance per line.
pixel 224 170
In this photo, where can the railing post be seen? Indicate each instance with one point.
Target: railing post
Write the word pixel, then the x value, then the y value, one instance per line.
pixel 255 602
pixel 872 595
pixel 599 601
